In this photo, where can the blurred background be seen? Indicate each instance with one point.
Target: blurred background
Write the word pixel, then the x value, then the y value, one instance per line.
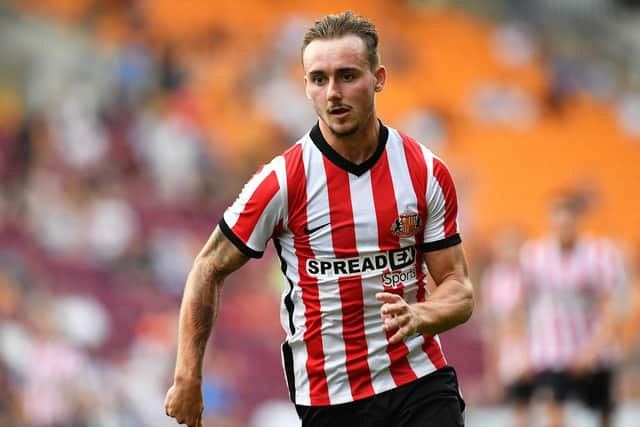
pixel 126 128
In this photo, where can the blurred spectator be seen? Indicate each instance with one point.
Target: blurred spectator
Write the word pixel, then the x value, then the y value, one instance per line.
pixel 55 373
pixel 629 113
pixel 136 66
pixel 429 127
pixel 513 44
pixel 502 105
pixel 171 149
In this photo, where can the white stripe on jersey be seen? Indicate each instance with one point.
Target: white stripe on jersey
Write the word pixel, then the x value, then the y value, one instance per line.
pixel 322 243
pixel 405 196
pixel 435 230
pixel 366 225
pixel 232 214
pixel 295 341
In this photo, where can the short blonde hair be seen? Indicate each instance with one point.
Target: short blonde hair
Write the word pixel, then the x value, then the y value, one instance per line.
pixel 343 24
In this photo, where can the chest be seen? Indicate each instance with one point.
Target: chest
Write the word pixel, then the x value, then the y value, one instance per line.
pixel 349 215
pixel 565 274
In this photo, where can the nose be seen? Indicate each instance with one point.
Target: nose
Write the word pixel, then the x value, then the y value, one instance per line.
pixel 333 91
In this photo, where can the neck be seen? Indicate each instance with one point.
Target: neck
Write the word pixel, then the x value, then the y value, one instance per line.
pixel 356 148
pixel 567 244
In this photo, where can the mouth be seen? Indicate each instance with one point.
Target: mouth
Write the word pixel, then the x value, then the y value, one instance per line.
pixel 339 112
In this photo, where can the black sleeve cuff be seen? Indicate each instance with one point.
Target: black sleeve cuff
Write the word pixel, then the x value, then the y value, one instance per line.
pixel 441 244
pixel 237 241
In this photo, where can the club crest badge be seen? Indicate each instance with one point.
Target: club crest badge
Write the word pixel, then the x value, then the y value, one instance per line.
pixel 406 225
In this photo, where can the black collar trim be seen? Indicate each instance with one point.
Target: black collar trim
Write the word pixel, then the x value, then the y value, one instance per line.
pixel 341 162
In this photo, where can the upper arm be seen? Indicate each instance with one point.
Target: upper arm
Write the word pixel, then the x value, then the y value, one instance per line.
pixel 441 227
pixel 220 256
pixel 447 263
pixel 255 215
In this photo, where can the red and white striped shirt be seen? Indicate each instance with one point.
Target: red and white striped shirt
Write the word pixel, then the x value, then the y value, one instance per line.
pixel 563 288
pixel 344 232
pixel 502 296
pixel 502 290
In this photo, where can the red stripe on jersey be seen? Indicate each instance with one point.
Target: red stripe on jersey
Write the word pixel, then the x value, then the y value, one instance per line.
pixel 255 206
pixel 345 246
pixel 297 202
pixel 384 200
pixel 418 173
pixel 434 351
pixel 443 177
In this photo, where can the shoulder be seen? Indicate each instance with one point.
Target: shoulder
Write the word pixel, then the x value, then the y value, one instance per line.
pixel 289 156
pixel 602 248
pixel 409 143
pixel 418 156
pixel 297 151
pixel 535 244
pixel 533 248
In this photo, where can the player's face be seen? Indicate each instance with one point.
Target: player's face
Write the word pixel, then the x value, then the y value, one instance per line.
pixel 564 222
pixel 339 81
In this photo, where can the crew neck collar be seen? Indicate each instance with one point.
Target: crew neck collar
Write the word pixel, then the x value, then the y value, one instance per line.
pixel 341 162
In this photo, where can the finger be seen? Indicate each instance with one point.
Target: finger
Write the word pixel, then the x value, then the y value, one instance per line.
pixel 199 424
pixel 393 309
pixel 387 297
pixel 393 323
pixel 166 406
pixel 400 324
pixel 400 335
pixel 390 324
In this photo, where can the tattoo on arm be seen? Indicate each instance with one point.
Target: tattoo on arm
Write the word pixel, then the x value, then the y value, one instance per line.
pixel 220 258
pixel 203 314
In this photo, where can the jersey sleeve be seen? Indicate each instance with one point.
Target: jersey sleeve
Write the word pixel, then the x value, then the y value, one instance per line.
pixel 608 262
pixel 254 216
pixel 441 228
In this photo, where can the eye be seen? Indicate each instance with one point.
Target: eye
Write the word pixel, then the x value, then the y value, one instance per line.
pixel 318 79
pixel 347 77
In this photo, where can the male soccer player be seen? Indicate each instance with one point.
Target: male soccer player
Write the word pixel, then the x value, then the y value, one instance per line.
pixel 359 214
pixel 569 281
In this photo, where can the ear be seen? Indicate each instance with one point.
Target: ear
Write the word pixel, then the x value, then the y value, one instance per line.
pixel 306 91
pixel 381 77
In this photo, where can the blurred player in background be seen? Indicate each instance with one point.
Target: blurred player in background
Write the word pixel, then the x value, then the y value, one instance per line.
pixel 504 326
pixel 570 280
pixel 357 212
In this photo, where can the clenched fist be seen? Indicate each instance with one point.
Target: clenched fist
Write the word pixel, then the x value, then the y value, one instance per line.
pixel 184 403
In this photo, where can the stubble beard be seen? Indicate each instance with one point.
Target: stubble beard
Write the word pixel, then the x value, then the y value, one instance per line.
pixel 346 133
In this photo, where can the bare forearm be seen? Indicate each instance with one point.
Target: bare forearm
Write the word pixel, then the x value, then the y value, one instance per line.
pixel 448 306
pixel 603 335
pixel 198 312
pixel 201 303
